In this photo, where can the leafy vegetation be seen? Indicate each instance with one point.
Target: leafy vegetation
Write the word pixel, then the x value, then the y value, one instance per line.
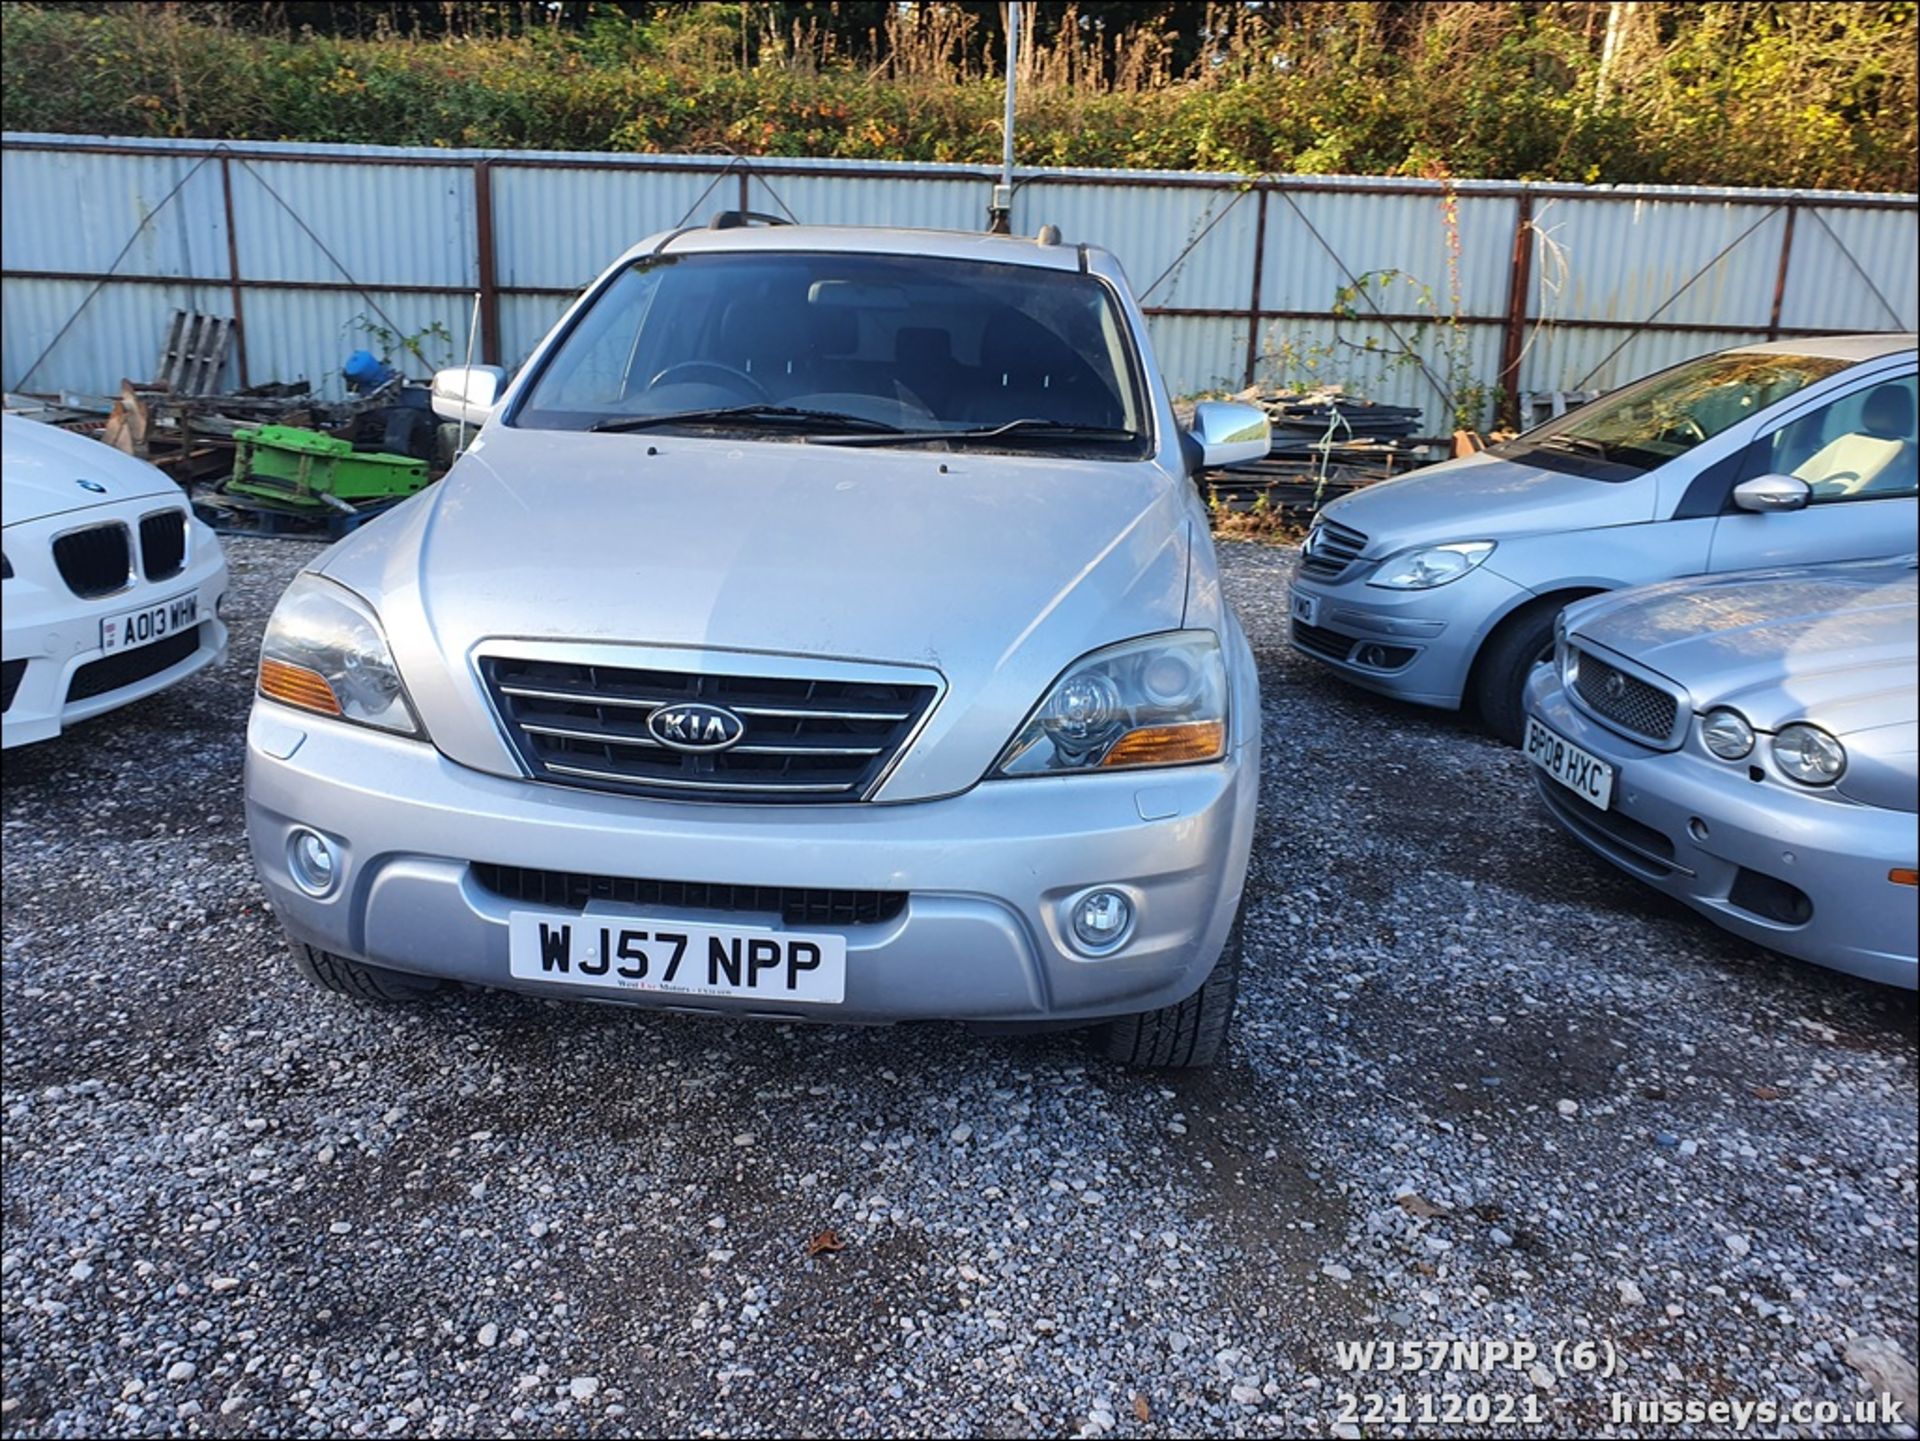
pixel 1802 94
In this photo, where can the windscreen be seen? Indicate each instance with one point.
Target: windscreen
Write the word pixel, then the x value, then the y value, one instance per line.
pixel 908 343
pixel 1650 422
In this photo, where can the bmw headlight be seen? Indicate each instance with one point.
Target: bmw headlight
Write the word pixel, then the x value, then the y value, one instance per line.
pixel 1727 734
pixel 324 652
pixel 1157 701
pixel 1431 565
pixel 1809 754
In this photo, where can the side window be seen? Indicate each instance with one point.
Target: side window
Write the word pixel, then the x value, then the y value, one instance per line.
pixel 1859 447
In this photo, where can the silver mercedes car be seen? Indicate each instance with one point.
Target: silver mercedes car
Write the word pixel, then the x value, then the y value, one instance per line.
pixel 823 625
pixel 1442 587
pixel 1747 744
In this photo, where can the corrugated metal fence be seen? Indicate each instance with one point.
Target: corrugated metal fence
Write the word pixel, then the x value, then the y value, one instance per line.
pixel 1409 291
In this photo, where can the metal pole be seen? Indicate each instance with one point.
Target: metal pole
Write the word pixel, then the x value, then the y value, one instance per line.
pixel 1513 339
pixel 233 278
pixel 1000 212
pixel 484 263
pixel 1779 280
pixel 473 325
pixel 1253 294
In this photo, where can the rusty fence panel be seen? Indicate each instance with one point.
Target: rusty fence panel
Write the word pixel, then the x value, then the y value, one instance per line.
pixel 1447 297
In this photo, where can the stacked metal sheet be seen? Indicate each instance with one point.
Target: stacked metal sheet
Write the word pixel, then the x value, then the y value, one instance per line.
pixel 1325 442
pixel 1331 420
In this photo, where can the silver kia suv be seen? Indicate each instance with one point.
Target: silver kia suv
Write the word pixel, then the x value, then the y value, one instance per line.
pixel 823 625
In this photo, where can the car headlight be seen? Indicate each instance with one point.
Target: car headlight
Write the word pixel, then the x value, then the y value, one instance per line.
pixel 324 652
pixel 1431 565
pixel 1157 701
pixel 1809 754
pixel 1727 734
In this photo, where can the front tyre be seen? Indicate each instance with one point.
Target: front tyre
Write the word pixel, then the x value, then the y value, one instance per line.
pixel 343 977
pixel 1523 641
pixel 1187 1034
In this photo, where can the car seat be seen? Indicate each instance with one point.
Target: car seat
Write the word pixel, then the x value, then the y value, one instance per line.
pixel 1880 458
pixel 764 340
pixel 1027 370
pixel 923 359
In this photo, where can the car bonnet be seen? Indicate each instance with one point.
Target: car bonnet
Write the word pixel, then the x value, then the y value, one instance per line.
pixel 46 471
pixel 1486 497
pixel 993 570
pixel 1836 644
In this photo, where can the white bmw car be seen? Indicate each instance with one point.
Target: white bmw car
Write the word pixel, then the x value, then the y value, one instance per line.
pixel 112 588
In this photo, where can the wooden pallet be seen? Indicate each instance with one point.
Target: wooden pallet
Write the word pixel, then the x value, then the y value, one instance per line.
pixel 194 353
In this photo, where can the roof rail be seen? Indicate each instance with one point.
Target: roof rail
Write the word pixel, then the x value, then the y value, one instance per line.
pixel 735 219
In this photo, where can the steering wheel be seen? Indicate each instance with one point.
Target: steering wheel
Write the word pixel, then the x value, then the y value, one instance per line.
pixel 1687 428
pixel 713 373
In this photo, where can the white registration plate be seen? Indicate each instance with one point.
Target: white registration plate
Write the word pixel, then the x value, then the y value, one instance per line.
pixel 677 958
pixel 1305 608
pixel 131 629
pixel 1587 776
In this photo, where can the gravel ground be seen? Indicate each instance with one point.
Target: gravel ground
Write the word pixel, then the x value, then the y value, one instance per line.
pixel 1481 1088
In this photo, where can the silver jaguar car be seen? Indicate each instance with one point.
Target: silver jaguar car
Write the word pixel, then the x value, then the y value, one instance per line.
pixel 1442 587
pixel 1747 744
pixel 823 625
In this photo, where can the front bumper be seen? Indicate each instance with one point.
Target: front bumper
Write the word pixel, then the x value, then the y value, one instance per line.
pixel 1413 645
pixel 51 636
pixel 988 873
pixel 1724 844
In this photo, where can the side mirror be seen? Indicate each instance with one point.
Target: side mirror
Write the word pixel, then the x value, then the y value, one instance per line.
pixel 468 392
pixel 1227 432
pixel 1766 493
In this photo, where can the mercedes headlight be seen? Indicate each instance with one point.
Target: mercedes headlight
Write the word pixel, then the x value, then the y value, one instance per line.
pixel 1431 565
pixel 1727 734
pixel 324 652
pixel 1809 754
pixel 1157 701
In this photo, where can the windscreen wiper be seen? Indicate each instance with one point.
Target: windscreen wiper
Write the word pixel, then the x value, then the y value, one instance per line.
pixel 748 414
pixel 1576 442
pixel 1029 427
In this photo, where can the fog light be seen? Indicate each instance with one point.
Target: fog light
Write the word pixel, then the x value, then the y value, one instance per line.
pixel 1383 657
pixel 1101 919
pixel 311 862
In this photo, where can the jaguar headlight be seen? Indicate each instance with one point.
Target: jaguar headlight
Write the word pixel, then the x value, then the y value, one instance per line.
pixel 1727 734
pixel 324 652
pixel 1809 754
pixel 1431 565
pixel 1157 701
